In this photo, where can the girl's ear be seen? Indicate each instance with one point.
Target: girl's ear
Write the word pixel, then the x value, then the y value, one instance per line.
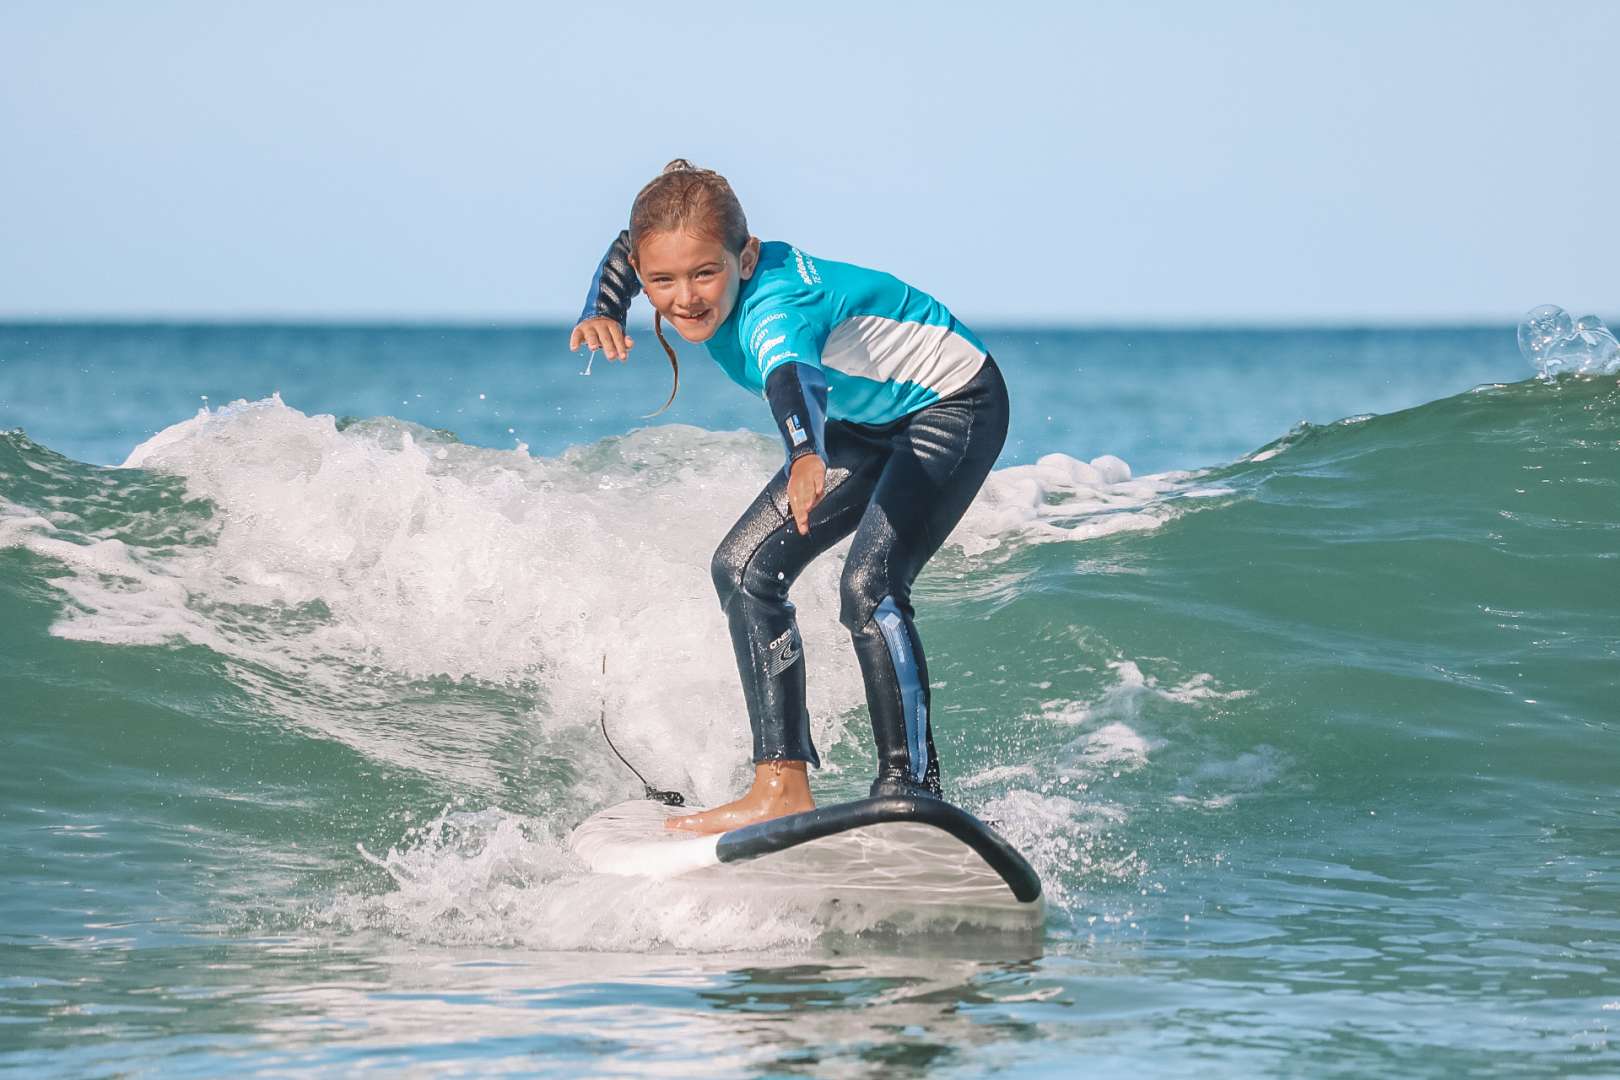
pixel 748 261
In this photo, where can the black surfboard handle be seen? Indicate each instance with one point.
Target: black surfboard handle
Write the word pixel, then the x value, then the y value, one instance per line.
pixel 779 834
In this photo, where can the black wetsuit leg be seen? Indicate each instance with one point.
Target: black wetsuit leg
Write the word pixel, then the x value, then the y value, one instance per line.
pixel 901 488
pixel 755 566
pixel 938 461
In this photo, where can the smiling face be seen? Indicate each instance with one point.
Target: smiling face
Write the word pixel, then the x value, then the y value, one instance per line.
pixel 693 280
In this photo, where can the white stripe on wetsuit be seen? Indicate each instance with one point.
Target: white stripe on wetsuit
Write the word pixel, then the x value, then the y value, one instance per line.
pixel 889 350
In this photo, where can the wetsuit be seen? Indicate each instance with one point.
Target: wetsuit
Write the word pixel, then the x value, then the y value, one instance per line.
pixel 909 412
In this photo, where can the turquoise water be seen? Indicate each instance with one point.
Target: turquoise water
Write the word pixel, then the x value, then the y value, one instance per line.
pixel 1308 726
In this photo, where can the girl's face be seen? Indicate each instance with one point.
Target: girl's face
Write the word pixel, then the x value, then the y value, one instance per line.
pixel 692 280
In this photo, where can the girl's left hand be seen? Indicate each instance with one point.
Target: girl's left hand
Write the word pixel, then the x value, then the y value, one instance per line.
pixel 807 483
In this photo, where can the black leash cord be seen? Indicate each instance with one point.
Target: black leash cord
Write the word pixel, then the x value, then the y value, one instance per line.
pixel 668 798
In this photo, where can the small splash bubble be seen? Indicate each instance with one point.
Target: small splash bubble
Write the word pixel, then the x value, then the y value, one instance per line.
pixel 1558 344
pixel 1541 327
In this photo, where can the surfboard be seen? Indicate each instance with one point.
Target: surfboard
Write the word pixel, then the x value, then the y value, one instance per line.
pixel 918 852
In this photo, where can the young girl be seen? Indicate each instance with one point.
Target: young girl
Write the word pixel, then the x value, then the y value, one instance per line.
pixel 891 412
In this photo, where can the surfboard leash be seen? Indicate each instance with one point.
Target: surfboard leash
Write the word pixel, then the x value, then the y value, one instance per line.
pixel 668 798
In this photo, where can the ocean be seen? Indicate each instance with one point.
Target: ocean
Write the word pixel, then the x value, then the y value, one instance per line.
pixel 1289 657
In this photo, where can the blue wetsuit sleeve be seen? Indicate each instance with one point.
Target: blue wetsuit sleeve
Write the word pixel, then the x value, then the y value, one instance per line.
pixel 785 345
pixel 613 285
pixel 798 397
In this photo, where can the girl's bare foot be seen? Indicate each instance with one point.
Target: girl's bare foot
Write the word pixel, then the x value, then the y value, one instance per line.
pixel 780 788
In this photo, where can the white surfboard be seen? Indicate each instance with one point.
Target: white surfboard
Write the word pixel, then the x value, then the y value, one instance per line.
pixel 917 852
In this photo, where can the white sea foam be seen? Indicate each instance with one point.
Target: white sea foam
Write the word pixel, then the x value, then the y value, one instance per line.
pixel 1116 744
pixel 493 878
pixel 1068 840
pixel 1000 774
pixel 1132 687
pixel 1063 498
pixel 20 526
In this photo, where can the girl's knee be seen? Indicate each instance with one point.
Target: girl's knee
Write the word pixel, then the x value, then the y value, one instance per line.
pixel 860 590
pixel 726 569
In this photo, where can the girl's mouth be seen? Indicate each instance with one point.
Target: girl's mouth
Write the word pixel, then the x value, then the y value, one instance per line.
pixel 693 327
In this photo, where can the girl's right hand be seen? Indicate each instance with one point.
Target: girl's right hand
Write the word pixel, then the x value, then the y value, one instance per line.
pixel 807 485
pixel 602 335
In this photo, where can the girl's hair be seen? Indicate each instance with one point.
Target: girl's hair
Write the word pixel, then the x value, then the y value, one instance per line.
pixel 698 201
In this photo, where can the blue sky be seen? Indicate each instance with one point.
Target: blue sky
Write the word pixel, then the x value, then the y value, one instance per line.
pixel 1055 163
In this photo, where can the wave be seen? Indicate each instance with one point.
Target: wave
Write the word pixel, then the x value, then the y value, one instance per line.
pixel 1122 662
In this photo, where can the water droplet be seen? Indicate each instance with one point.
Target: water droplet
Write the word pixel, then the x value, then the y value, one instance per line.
pixel 1557 344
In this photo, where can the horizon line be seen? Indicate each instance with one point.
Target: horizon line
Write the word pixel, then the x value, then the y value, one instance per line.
pixel 501 322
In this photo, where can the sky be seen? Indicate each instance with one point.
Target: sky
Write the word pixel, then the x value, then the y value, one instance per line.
pixel 1028 163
